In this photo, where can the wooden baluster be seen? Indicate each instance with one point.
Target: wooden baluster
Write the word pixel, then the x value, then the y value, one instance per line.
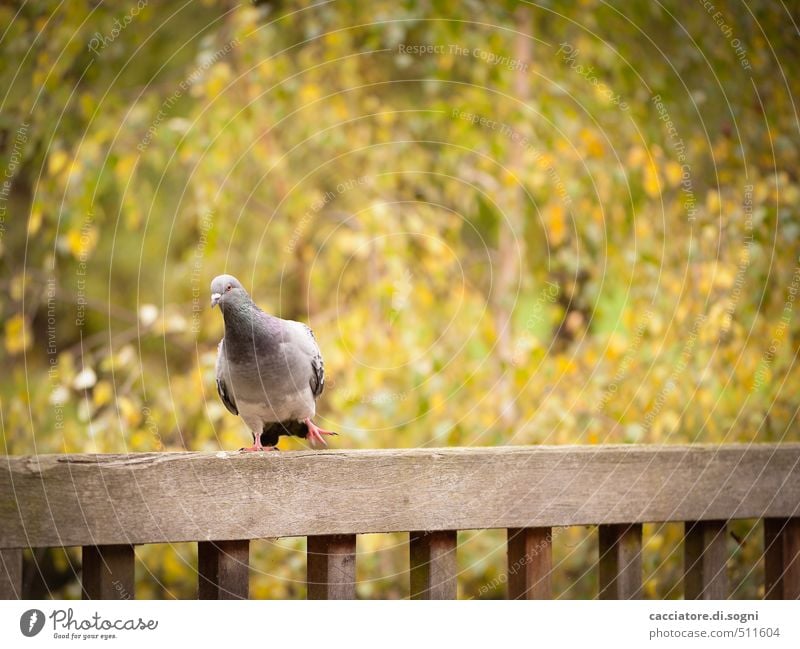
pixel 433 565
pixel 108 572
pixel 11 574
pixel 223 569
pixel 791 559
pixel 620 570
pixel 705 556
pixel 530 562
pixel 782 558
pixel 773 557
pixel 331 566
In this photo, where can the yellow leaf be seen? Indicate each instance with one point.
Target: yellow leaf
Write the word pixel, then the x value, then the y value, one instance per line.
pixel 88 104
pixel 636 157
pixel 35 220
pixel 545 160
pixel 509 179
pixel 16 287
pixel 713 202
pixel 102 393
pixel 593 144
pixel 724 277
pixel 18 337
pixel 565 365
pixel 652 184
pixel 334 38
pixel 128 411
pixel 139 441
pixel 616 347
pixel 215 85
pixel 673 172
pixel 57 161
pixel 82 242
pixel 125 166
pixel 309 92
pixel 555 222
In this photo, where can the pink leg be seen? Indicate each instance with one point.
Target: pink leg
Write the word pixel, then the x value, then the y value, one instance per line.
pixel 257 446
pixel 315 433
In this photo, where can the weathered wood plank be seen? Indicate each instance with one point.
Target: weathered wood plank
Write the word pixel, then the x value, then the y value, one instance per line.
pixel 331 566
pixel 108 572
pixel 11 574
pixel 223 570
pixel 433 568
pixel 620 564
pixel 705 555
pixel 170 497
pixel 530 563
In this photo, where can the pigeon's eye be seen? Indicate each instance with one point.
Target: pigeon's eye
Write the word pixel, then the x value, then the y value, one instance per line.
pixel 228 287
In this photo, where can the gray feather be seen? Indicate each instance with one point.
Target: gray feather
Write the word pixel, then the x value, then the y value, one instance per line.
pixel 222 387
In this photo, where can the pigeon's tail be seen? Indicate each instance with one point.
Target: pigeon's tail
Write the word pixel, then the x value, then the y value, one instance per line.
pixel 271 432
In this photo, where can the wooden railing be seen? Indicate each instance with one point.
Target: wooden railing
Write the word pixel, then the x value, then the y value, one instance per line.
pixel 110 503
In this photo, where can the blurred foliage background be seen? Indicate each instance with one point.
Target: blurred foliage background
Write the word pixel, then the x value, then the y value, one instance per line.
pixel 507 223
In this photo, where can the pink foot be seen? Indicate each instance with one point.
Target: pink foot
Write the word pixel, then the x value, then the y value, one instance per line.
pixel 315 433
pixel 258 447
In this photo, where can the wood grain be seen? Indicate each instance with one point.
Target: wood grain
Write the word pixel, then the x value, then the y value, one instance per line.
pixel 67 500
pixel 620 561
pixel 223 570
pixel 331 566
pixel 705 557
pixel 11 574
pixel 530 563
pixel 433 568
pixel 108 572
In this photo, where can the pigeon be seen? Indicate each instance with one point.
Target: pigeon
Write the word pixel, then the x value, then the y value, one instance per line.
pixel 269 370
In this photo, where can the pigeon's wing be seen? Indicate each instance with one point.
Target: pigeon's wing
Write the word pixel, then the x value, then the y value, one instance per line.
pixel 222 386
pixel 318 370
pixel 303 338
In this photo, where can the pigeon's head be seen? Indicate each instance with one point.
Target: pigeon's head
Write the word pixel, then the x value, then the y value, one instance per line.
pixel 225 290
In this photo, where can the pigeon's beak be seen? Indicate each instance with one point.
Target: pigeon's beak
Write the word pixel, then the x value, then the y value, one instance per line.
pixel 215 299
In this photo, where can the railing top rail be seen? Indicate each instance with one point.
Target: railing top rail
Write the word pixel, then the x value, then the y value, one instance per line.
pixel 67 500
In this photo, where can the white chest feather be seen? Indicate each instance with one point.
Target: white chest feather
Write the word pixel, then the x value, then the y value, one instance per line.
pixel 294 407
